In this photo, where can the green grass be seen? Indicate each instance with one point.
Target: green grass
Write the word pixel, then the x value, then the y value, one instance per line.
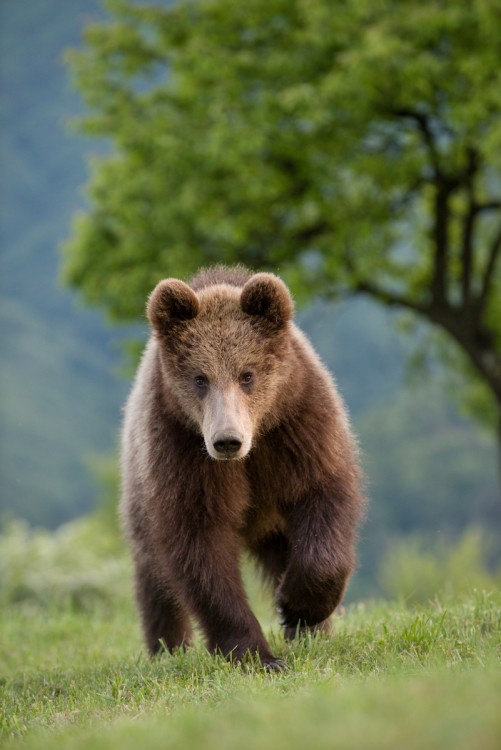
pixel 389 677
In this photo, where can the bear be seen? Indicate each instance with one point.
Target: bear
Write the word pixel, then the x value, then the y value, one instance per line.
pixel 235 438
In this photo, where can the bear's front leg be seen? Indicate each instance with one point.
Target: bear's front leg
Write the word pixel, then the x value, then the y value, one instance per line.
pixel 321 559
pixel 207 568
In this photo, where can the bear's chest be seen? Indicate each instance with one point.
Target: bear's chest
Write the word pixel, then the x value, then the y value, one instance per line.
pixel 273 484
pixel 263 516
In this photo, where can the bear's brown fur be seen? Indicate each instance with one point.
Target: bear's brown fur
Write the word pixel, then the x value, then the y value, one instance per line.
pixel 235 438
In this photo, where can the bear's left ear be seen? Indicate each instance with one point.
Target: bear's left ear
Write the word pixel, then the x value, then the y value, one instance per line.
pixel 266 295
pixel 172 301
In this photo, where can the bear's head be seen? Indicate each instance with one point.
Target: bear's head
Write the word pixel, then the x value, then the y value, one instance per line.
pixel 224 351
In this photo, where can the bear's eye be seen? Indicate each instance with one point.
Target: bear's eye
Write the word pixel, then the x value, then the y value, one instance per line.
pixel 201 382
pixel 246 378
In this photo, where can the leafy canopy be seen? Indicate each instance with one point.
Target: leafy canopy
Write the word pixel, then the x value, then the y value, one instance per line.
pixel 352 145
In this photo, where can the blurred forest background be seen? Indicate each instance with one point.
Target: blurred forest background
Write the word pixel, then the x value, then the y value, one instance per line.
pixel 433 469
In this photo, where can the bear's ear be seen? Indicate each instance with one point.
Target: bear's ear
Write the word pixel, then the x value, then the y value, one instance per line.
pixel 266 295
pixel 170 301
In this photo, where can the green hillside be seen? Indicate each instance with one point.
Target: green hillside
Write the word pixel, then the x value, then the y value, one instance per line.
pixel 391 675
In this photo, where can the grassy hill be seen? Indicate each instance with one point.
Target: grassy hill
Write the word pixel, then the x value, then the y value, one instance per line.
pixel 74 673
pixel 389 678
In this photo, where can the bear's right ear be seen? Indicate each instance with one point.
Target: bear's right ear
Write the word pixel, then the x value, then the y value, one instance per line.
pixel 266 297
pixel 170 301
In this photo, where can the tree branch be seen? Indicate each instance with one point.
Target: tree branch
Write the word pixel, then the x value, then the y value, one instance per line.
pixel 387 297
pixel 490 268
pixel 392 299
pixel 489 206
pixel 468 229
pixel 423 125
pixel 440 238
pixel 466 255
pixel 443 187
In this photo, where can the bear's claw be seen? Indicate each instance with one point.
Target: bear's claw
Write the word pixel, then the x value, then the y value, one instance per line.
pixel 275 665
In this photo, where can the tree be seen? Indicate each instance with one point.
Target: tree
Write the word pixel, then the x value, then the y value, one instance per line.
pixel 354 145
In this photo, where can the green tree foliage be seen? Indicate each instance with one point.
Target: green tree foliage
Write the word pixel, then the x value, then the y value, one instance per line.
pixel 356 146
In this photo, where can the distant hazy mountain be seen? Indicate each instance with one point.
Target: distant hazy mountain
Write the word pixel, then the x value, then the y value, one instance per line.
pixel 59 398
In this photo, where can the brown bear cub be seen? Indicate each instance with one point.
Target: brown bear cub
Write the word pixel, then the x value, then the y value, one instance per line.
pixel 235 438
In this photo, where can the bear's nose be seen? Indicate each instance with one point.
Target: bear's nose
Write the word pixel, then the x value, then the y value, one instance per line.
pixel 227 443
